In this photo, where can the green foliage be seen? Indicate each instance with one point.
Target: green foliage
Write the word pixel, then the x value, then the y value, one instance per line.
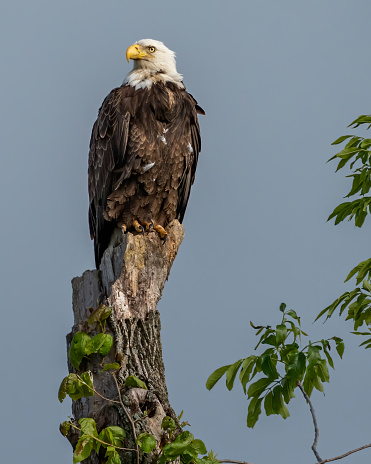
pixel 113 435
pixel 133 381
pixel 168 424
pixel 110 366
pixel 86 442
pixel 184 446
pixel 357 302
pixel 280 367
pixel 146 442
pixel 110 438
pixel 64 428
pixel 358 154
pixel 100 314
pixel 76 386
pixel 83 345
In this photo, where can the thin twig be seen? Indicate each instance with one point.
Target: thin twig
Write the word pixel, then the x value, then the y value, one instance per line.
pixel 346 454
pixel 128 416
pixel 95 391
pixel 316 430
pixel 233 462
pixel 100 441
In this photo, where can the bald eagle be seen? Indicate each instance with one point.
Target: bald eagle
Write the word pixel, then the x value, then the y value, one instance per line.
pixel 144 149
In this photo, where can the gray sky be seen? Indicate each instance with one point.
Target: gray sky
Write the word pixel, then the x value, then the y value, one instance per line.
pixel 279 81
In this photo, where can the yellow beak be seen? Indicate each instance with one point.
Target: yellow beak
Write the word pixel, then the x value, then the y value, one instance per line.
pixel 135 52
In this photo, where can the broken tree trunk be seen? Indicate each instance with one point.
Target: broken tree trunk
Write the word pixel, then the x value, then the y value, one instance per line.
pixel 130 281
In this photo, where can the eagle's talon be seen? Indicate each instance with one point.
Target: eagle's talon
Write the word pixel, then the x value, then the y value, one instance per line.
pixel 161 232
pixel 138 227
pixel 149 226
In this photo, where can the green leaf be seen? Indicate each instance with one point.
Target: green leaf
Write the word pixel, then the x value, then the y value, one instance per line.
pixel 281 334
pixel 146 442
pixel 322 371
pixel 87 388
pixel 293 314
pixel 231 373
pixel 247 367
pixel 296 367
pixel 72 386
pixel 172 450
pixel 271 340
pixel 88 426
pixel 62 390
pixel 215 376
pixel 80 347
pixel 313 354
pixel 253 411
pixel 113 435
pixel 199 446
pixel 268 404
pixel 269 369
pixel 308 383
pixel 277 402
pixel 113 458
pixel 282 307
pixel 133 381
pixel 64 428
pixel 102 344
pixel 109 366
pixel 329 358
pixel 258 387
pixel 83 448
pixel 341 139
pixel 316 381
pixel 288 386
pixel 100 314
pixel 168 423
pixel 340 348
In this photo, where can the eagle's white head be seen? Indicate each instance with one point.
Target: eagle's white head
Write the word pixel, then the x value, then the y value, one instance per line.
pixel 153 62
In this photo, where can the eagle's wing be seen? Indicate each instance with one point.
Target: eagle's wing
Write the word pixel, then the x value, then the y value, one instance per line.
pixel 193 148
pixel 107 155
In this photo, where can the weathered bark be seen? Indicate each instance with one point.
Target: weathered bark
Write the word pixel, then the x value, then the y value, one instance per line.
pixel 130 280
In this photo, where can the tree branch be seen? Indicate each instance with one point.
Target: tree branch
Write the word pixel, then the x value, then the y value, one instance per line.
pixel 316 429
pixel 234 462
pixel 346 454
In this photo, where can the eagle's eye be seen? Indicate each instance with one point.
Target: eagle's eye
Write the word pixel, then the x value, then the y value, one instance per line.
pixel 151 49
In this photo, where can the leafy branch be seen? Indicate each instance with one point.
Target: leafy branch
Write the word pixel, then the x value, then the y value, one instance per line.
pixel 284 366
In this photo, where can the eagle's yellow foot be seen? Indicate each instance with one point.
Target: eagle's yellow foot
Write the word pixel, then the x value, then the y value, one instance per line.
pixel 148 226
pixel 161 232
pixel 138 227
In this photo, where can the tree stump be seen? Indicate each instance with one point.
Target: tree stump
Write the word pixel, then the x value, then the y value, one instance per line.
pixel 130 281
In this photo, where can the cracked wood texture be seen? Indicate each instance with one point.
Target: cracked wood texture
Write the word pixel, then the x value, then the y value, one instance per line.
pixel 130 280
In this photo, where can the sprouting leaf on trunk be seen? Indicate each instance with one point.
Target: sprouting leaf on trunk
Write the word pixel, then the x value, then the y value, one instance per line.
pixel 133 381
pixel 168 423
pixel 80 347
pixel 113 435
pixel 101 343
pixel 73 386
pixel 100 314
pixel 110 366
pixel 83 448
pixel 146 442
pixel 64 427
